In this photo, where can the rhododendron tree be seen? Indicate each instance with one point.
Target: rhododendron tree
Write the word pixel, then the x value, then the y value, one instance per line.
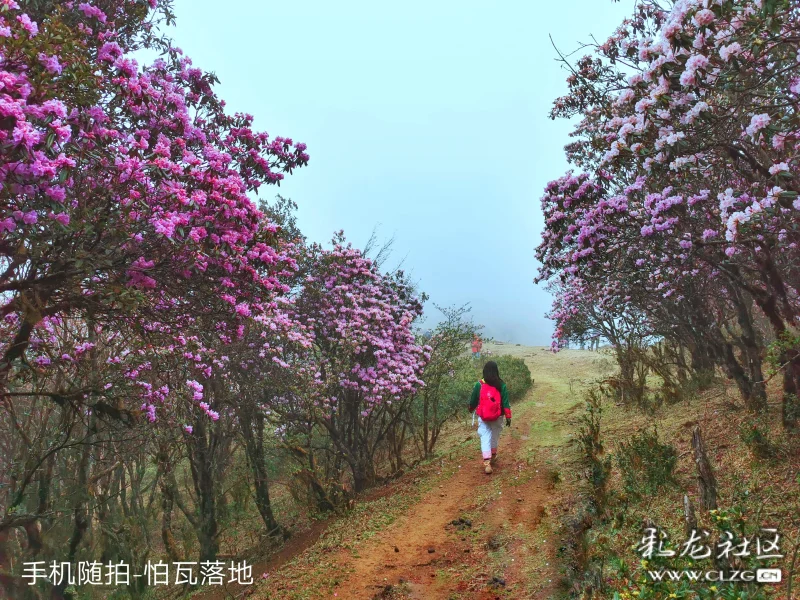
pixel 130 253
pixel 688 142
pixel 124 189
pixel 367 362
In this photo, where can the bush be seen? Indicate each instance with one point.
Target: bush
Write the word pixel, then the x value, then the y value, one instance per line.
pixel 434 406
pixel 591 443
pixel 458 388
pixel 702 380
pixel 646 463
pixel 447 376
pixel 514 372
pixel 756 439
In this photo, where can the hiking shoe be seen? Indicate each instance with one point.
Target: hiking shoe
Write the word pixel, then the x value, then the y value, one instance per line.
pixel 494 458
pixel 487 466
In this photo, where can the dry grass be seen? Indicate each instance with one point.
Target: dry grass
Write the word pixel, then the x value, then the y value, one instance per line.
pixel 767 490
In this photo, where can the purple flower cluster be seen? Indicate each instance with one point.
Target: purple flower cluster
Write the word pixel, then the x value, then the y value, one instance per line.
pixel 682 182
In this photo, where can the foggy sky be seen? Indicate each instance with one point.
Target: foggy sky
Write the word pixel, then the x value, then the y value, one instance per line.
pixel 426 119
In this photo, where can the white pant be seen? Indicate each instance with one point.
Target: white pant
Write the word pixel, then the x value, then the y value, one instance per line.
pixel 489 432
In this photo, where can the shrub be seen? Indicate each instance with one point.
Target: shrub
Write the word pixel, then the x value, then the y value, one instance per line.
pixel 646 463
pixel 591 444
pixel 433 407
pixel 447 376
pixel 515 373
pixel 756 439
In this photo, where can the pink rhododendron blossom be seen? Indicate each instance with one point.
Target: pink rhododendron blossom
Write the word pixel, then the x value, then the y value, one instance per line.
pixel 150 412
pixel 727 52
pixel 778 168
pixel 30 26
pixel 704 17
pixel 62 218
pixel 92 11
pixel 757 123
pixel 160 148
pixel 109 52
pixel 635 237
pixel 50 63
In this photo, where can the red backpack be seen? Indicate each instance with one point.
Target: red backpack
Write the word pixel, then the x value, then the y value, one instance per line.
pixel 490 403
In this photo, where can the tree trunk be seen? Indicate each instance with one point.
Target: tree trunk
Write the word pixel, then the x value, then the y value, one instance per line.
pixel 736 372
pixel 425 446
pixel 81 508
pixel 361 477
pixel 167 486
pixel 751 348
pixel 253 433
pixel 790 409
pixel 701 358
pixel 768 302
pixel 202 468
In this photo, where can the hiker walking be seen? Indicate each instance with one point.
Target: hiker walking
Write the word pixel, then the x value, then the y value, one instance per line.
pixel 490 402
pixel 477 344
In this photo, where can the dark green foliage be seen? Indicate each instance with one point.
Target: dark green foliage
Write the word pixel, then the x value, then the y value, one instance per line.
pixel 516 374
pixel 448 377
pixel 756 439
pixel 646 463
pixel 590 440
pixel 513 371
pixel 703 379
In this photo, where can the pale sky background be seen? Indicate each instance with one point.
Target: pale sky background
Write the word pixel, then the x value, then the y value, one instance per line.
pixel 427 119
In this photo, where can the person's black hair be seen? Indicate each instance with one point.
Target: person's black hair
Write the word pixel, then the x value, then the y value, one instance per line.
pixel 491 375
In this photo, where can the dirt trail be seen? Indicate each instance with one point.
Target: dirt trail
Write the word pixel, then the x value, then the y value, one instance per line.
pixel 471 535
pixel 402 553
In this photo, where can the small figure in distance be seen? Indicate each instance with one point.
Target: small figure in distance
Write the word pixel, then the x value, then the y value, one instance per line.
pixel 477 344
